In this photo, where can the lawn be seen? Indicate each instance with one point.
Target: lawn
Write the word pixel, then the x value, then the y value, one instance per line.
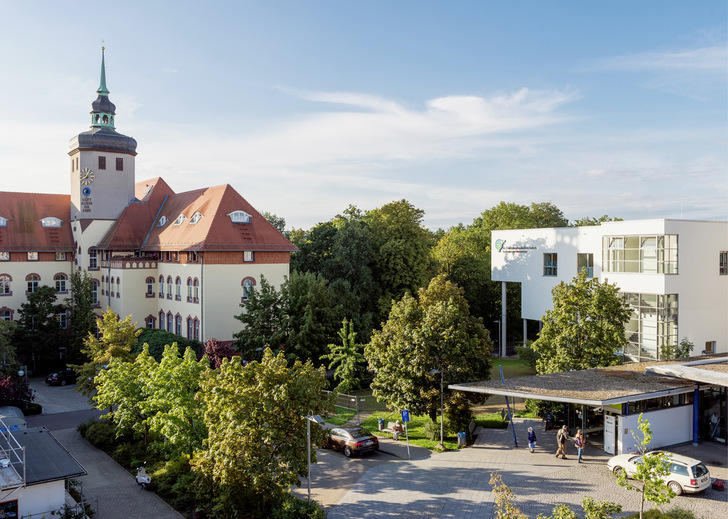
pixel 511 368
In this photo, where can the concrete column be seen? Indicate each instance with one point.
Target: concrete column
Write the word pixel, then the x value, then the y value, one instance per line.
pixel 696 414
pixel 503 319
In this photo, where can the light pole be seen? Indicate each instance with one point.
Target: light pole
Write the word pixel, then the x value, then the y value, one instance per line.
pixel 23 372
pixel 442 417
pixel 310 417
pixel 499 337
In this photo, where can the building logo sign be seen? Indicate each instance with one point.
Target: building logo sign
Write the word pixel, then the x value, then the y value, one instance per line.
pixel 500 246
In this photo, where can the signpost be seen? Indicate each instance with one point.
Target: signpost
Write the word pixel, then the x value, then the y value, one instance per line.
pixel 405 419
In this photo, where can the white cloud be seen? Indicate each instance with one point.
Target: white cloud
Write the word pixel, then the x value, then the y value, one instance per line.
pixel 709 59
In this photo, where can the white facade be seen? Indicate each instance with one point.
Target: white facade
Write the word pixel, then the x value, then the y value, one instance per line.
pixel 671 271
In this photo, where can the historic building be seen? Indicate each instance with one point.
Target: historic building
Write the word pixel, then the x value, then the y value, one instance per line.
pixel 181 262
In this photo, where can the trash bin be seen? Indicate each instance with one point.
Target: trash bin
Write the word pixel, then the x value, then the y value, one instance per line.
pixel 462 439
pixel 381 424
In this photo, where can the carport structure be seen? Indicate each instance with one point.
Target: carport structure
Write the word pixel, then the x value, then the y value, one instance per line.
pixel 620 394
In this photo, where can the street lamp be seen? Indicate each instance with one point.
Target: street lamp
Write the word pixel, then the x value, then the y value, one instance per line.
pixel 310 417
pixel 23 372
pixel 442 417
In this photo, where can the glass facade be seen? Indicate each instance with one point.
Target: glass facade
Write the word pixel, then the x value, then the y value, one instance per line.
pixel 644 254
pixel 652 326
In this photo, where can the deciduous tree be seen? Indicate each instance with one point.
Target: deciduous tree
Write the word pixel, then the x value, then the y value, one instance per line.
pixel 431 332
pixel 346 359
pixel 264 321
pixel 255 415
pixel 584 329
pixel 82 319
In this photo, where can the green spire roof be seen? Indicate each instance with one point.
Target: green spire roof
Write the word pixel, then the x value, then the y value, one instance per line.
pixel 103 91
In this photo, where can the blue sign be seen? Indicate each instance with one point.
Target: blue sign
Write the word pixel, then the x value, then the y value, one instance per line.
pixel 405 415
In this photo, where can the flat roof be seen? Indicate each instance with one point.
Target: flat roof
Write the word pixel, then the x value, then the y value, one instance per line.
pixel 713 371
pixel 595 387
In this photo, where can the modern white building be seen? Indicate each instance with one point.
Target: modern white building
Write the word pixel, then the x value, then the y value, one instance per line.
pixel 674 274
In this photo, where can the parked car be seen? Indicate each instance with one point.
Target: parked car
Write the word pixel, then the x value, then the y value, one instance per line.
pixel 686 474
pixel 352 440
pixel 61 378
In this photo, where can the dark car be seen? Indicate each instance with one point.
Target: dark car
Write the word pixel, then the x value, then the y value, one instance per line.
pixel 352 440
pixel 61 378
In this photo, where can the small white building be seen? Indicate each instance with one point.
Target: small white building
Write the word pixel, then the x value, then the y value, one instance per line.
pixel 674 274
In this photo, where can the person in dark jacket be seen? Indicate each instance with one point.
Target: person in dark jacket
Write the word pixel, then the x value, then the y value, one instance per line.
pixel 531 439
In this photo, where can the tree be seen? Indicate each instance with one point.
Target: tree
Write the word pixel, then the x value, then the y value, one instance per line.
pixel 651 472
pixel 434 331
pixel 82 319
pixel 589 220
pixel 7 350
pixel 403 260
pixel 40 335
pixel 255 415
pixel 585 328
pixel 15 391
pixel 264 322
pixel 504 506
pixel 158 340
pixel 276 221
pixel 171 406
pixel 216 352
pixel 116 340
pixel 681 351
pixel 347 359
pixel 123 388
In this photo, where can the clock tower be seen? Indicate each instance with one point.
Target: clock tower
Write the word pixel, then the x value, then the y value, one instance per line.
pixel 102 164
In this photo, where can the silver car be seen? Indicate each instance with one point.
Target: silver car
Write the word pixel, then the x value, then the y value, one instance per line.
pixel 686 474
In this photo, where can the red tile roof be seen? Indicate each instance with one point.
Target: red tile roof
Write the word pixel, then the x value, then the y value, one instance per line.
pixel 24 231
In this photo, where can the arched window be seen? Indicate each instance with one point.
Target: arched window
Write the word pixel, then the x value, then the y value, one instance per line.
pixel 178 325
pixel 178 289
pixel 197 329
pixel 6 314
pixel 112 287
pixel 150 288
pixel 190 328
pixel 60 280
pixel 118 287
pixel 150 321
pixel 5 280
pixel 161 286
pixel 247 284
pixel 94 292
pixel 189 290
pixel 103 285
pixel 161 320
pixel 33 280
pixel 170 322
pixel 93 259
pixel 62 319
pixel 169 288
pixel 196 294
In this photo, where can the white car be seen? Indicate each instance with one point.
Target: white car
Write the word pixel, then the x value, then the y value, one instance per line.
pixel 686 474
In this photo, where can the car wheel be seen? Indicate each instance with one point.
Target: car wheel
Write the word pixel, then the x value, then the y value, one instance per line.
pixel 347 451
pixel 63 382
pixel 618 471
pixel 675 487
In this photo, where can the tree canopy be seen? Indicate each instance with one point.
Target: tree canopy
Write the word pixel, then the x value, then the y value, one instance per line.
pixel 431 332
pixel 585 328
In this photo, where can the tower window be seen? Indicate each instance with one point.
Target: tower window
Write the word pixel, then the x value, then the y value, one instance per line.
pixel 102 162
pixel 51 221
pixel 119 164
pixel 239 217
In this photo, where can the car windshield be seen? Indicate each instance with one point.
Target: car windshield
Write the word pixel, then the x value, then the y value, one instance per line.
pixel 699 470
pixel 359 433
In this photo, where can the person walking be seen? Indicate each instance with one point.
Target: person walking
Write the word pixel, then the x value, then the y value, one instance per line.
pixel 579 441
pixel 561 438
pixel 531 439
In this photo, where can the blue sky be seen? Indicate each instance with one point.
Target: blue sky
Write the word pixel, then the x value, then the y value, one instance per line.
pixel 306 107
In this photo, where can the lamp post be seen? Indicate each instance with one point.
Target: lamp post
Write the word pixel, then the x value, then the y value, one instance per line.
pixel 499 336
pixel 310 417
pixel 442 417
pixel 23 372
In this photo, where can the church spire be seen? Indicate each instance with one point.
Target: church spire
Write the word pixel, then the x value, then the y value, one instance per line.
pixel 103 110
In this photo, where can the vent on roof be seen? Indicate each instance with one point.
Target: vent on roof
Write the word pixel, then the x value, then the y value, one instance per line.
pixel 181 218
pixel 196 217
pixel 3 222
pixel 162 221
pixel 51 221
pixel 239 217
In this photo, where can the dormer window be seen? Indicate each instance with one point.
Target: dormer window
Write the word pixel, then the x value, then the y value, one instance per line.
pixel 181 218
pixel 3 222
pixel 162 221
pixel 51 222
pixel 239 217
pixel 196 217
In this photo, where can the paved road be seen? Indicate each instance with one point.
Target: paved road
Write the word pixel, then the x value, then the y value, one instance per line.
pixel 118 495
pixel 455 485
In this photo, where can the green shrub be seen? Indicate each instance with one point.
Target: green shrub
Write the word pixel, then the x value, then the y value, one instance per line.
pixel 527 354
pixel 431 431
pixel 294 508
pixel 458 415
pixel 673 513
pixel 99 434
pixel 33 409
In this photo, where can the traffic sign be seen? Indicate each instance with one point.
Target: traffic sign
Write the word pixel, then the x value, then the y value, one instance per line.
pixel 405 415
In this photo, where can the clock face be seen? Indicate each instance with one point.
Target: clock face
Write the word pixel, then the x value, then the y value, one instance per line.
pixel 86 176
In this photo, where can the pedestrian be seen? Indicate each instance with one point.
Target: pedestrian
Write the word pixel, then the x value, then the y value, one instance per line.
pixel 579 441
pixel 531 439
pixel 561 438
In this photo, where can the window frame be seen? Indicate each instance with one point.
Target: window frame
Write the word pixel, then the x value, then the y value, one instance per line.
pixel 550 264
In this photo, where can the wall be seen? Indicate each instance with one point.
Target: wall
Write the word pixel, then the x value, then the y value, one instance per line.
pixel 669 427
pixel 37 499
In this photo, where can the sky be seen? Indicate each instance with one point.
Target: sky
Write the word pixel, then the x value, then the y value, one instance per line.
pixel 307 107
